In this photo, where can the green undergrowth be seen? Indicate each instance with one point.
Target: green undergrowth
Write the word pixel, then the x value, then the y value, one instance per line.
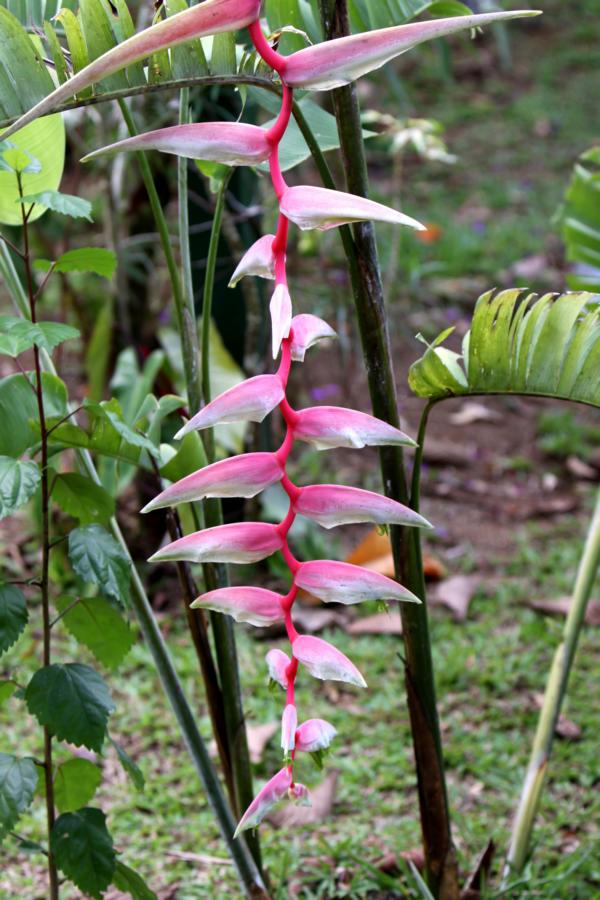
pixel 489 670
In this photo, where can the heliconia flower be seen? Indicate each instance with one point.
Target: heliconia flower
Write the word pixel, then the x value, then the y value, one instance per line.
pixel 253 605
pixel 325 661
pixel 251 401
pixel 289 723
pixel 333 426
pixel 307 330
pixel 321 208
pixel 237 542
pixel 273 791
pixel 258 260
pixel 210 17
pixel 239 476
pixel 314 735
pixel 281 316
pixel 340 582
pixel 298 793
pixel 277 663
pixel 230 143
pixel 338 62
pixel 336 504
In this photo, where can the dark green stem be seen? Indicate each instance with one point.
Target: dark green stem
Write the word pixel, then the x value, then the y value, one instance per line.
pixel 440 857
pixel 45 576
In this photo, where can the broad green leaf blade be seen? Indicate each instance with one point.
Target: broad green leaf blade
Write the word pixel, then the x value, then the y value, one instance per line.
pixel 84 499
pixel 84 851
pixel 87 259
pixel 98 559
pixel 18 482
pixel 18 410
pixel 58 57
pixel 7 689
pixel 581 222
pixel 13 615
pixel 75 783
pixel 18 780
pixel 45 141
pixel 21 63
pixel 99 38
pixel 187 60
pixel 73 701
pixel 110 412
pixel 129 881
pixel 65 204
pixel 96 623
pixel 542 346
pixel 130 767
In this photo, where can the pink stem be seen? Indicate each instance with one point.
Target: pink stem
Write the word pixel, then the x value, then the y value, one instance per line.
pixel 270 56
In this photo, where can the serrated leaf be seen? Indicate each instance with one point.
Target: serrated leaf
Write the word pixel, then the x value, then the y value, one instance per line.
pixel 75 783
pixel 18 409
pixel 130 767
pixel 83 850
pixel 111 410
pixel 73 701
pixel 18 780
pixel 95 623
pixel 18 482
pixel 129 881
pixel 18 335
pixel 81 497
pixel 65 204
pixel 13 615
pixel 541 346
pixel 98 559
pixel 7 689
pixel 97 260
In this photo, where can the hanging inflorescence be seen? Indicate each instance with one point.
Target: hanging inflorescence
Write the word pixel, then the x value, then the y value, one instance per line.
pixel 320 67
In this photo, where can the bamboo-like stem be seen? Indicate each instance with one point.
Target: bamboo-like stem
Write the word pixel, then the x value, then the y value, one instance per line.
pixel 440 857
pixel 556 688
pixel 214 576
pixel 45 579
pixel 247 869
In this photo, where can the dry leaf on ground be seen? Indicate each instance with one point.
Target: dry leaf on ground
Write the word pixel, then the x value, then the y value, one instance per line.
pixel 380 623
pixel 323 796
pixel 471 412
pixel 456 594
pixel 561 607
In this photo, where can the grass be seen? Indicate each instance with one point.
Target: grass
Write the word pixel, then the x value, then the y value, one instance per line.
pixel 488 670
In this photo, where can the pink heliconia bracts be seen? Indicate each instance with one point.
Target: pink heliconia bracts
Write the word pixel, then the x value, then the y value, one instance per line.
pixel 210 17
pixel 253 605
pixel 231 143
pixel 318 67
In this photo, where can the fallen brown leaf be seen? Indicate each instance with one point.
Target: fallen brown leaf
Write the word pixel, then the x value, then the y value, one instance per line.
pixel 380 623
pixel 373 546
pixel 375 553
pixel 258 738
pixel 565 728
pixel 471 412
pixel 561 608
pixel 581 469
pixel 323 796
pixel 448 453
pixel 456 594
pixel 312 620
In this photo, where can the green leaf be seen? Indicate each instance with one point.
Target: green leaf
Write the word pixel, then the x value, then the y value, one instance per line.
pixel 7 689
pixel 443 8
pixel 44 141
pixel 99 626
pixel 84 851
pixel 97 260
pixel 22 67
pixel 18 334
pixel 110 410
pixel 98 559
pixel 581 222
pixel 18 780
pixel 73 701
pixel 18 482
pixel 540 346
pixel 130 882
pixel 18 409
pixel 58 57
pixel 84 499
pixel 65 204
pixel 75 783
pixel 13 615
pixel 130 767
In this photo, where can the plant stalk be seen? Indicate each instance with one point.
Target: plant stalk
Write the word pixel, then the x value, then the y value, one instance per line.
pixel 215 576
pixel 556 688
pixel 45 580
pixel 440 857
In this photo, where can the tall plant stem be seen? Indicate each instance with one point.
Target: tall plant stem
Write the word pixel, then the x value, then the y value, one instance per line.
pixel 246 868
pixel 215 576
pixel 45 580
pixel 365 274
pixel 556 688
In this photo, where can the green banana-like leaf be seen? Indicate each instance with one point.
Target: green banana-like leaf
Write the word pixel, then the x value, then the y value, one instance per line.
pixel 545 346
pixel 581 222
